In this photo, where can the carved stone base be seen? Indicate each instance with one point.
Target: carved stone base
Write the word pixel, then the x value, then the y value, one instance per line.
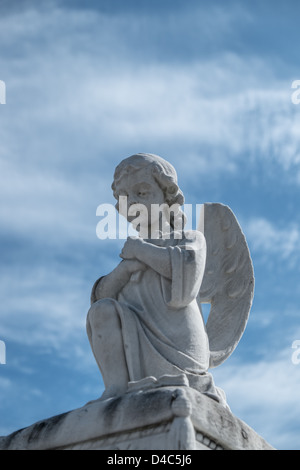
pixel 166 418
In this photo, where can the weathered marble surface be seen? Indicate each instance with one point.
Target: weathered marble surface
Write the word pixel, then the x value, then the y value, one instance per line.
pixel 162 418
pixel 148 335
pixel 145 317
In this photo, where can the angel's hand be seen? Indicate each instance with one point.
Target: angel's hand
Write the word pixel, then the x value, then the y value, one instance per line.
pixel 131 248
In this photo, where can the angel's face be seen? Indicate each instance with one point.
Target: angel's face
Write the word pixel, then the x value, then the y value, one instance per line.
pixel 141 191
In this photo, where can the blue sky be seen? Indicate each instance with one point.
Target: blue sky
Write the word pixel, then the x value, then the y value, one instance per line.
pixel 206 86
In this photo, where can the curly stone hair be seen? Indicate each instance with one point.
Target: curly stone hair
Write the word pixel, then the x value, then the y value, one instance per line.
pixel 164 174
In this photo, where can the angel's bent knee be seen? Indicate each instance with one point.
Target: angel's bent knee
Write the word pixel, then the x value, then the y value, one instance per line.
pixel 102 312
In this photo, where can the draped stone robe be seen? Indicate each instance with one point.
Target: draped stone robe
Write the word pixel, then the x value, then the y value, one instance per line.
pixel 162 326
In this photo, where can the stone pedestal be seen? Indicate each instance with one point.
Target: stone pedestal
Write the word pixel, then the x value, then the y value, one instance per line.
pixel 165 418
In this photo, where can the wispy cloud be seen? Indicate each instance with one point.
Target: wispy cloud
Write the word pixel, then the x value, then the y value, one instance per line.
pixel 271 241
pixel 85 89
pixel 49 310
pixel 266 393
pixel 216 112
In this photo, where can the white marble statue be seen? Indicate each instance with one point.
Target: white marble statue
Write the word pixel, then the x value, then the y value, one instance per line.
pixel 145 321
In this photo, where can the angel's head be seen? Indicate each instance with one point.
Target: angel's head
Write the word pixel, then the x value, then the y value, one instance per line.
pixel 148 180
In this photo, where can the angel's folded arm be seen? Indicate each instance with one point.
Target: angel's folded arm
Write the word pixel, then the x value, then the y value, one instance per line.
pixel 157 258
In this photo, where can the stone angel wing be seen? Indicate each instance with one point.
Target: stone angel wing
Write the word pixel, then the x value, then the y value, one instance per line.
pixel 228 282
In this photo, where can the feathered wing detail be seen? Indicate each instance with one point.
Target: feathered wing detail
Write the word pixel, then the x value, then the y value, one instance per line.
pixel 228 282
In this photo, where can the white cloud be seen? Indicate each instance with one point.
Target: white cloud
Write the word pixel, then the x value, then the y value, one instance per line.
pixel 265 395
pixel 78 100
pixel 45 308
pixel 80 113
pixel 47 206
pixel 213 112
pixel 282 243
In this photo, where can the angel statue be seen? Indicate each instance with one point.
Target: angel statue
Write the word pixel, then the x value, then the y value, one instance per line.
pixel 145 321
